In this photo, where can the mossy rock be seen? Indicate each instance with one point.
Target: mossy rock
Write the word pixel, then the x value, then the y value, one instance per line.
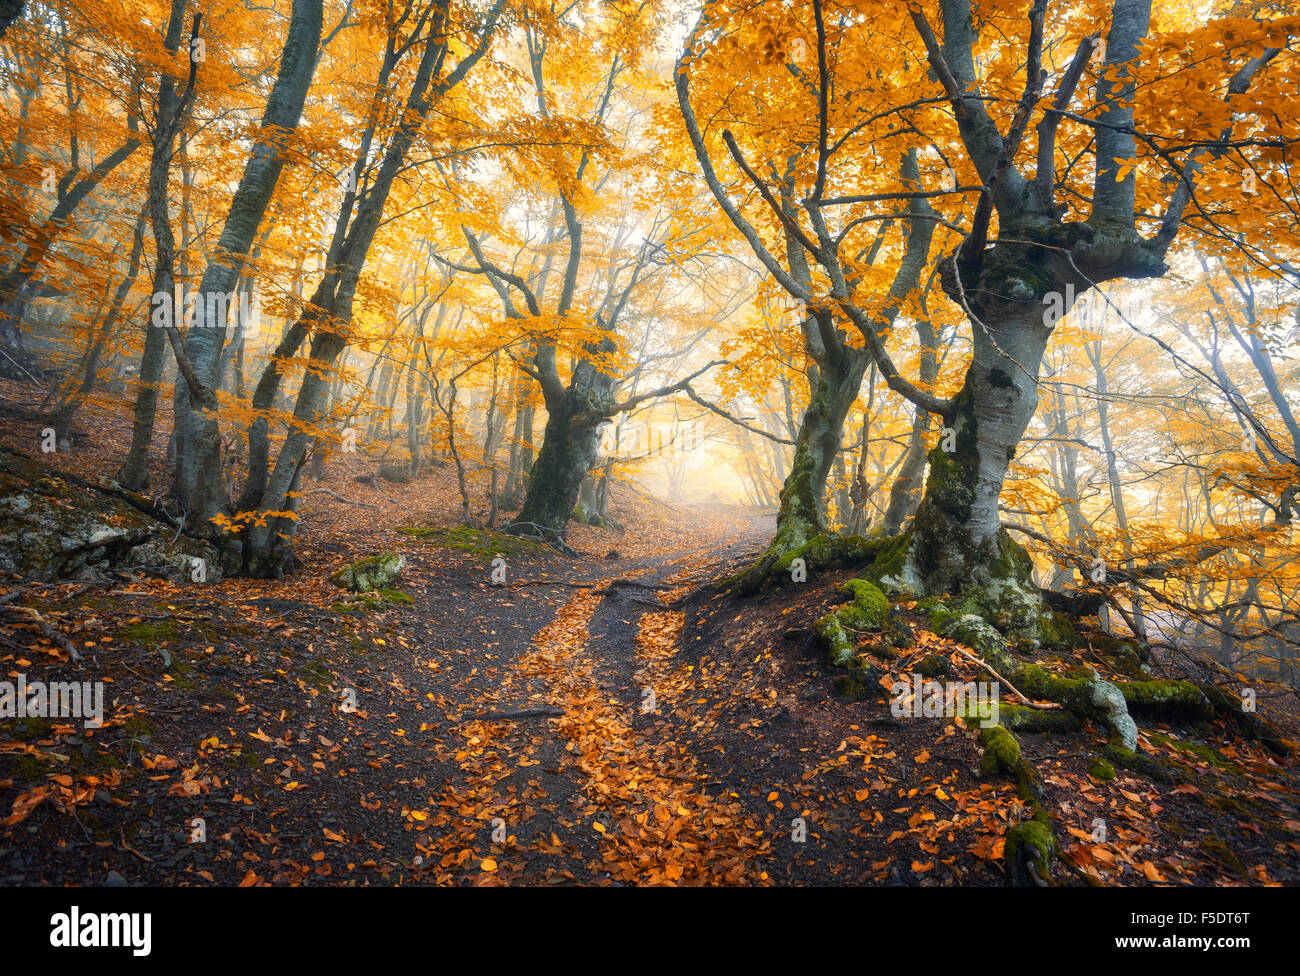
pixel 55 527
pixel 869 607
pixel 372 573
pixel 888 567
pixel 897 632
pixel 1055 632
pixel 976 633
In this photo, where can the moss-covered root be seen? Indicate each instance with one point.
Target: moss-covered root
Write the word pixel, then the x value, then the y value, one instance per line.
pixel 1031 845
pixel 1251 725
pixel 790 558
pixel 869 608
pixel 1147 766
pixel 867 611
pixel 1167 699
pixel 1087 695
pixel 834 640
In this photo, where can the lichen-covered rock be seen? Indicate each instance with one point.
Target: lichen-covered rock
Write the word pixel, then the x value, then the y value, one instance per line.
pixel 379 572
pixel 55 527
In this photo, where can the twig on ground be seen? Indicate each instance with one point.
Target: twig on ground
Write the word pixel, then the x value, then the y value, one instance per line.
pixel 73 654
pixel 987 667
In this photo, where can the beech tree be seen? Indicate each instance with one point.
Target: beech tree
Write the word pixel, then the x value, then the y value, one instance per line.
pixel 1029 243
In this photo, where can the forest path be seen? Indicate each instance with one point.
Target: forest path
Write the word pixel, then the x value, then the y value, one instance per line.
pixel 575 775
pixel 598 720
pixel 657 746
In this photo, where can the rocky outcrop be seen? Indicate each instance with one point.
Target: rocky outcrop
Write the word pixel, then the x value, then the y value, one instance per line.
pixel 54 526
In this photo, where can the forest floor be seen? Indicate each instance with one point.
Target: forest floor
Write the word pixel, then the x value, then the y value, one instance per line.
pixel 609 719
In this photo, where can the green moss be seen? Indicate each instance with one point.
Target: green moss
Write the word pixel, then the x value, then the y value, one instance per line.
pixel 1217 848
pixel 317 674
pixel 834 641
pixel 1148 766
pixel 138 727
pixel 827 552
pixel 1031 845
pixel 1056 633
pixel 149 631
pixel 480 542
pixel 30 768
pixel 1172 699
pixel 1197 749
pixel 182 675
pixel 933 666
pixel 1022 718
pixel 868 609
pixel 373 600
pixel 859 680
pixel 890 559
pixel 1001 751
pixel 977 634
pixel 372 573
pixel 1029 851
pixel 30 729
pixel 1087 695
pixel 1102 770
pixel 897 633
pixel 244 757
pixel 1251 725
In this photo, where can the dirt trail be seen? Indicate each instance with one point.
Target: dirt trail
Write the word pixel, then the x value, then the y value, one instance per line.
pixel 592 721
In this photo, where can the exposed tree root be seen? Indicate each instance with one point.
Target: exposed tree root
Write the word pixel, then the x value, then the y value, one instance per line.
pixel 792 557
pixel 1031 845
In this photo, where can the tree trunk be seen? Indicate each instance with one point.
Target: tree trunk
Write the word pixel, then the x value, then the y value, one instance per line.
pixel 196 480
pixel 570 447
pixel 90 367
pixel 135 469
pixel 956 541
pixel 802 516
